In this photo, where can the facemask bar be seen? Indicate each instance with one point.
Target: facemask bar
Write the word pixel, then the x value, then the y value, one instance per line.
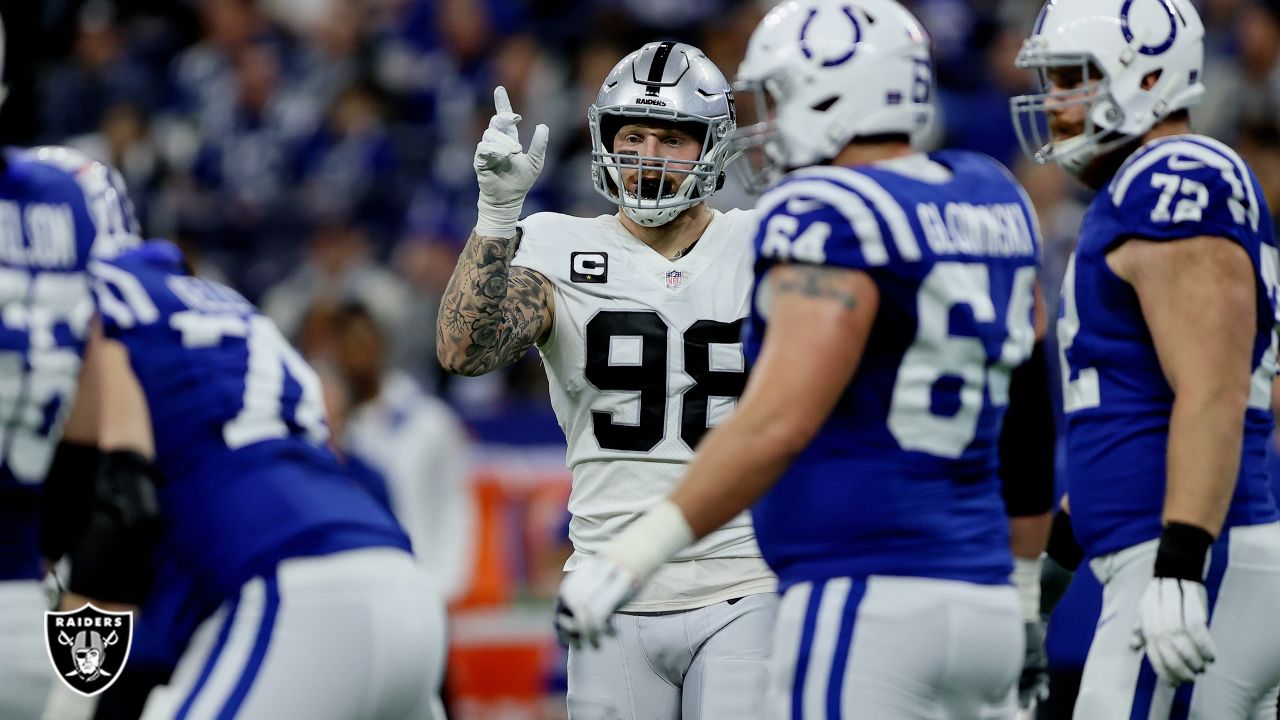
pixel 690 181
pixel 757 138
pixel 1030 112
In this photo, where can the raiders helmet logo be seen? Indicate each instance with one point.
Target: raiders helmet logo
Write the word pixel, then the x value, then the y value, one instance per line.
pixel 88 647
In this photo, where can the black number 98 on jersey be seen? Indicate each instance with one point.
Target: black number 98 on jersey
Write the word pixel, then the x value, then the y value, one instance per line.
pixel 648 377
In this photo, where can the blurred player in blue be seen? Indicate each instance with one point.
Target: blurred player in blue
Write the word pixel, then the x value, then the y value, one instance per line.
pixel 1168 352
pixel 288 590
pixel 58 210
pixel 894 295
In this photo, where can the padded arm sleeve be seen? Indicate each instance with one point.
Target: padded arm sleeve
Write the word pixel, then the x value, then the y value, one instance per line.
pixel 112 561
pixel 67 497
pixel 1027 440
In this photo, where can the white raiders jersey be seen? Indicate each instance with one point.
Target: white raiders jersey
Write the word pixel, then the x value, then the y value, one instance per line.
pixel 645 356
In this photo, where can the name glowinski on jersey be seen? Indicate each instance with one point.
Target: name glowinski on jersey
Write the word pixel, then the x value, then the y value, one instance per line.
pixel 88 647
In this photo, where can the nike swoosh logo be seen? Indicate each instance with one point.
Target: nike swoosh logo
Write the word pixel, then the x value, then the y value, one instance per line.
pixel 1104 620
pixel 1177 163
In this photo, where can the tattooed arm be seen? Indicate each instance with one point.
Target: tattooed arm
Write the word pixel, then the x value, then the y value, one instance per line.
pixel 491 313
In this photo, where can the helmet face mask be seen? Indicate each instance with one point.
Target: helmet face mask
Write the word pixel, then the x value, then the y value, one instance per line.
pixel 1032 113
pixel 757 140
pixel 661 84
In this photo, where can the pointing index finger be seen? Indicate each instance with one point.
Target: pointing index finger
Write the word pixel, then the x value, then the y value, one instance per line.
pixel 500 100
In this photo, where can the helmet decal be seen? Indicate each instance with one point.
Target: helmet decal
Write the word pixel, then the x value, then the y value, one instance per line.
pixel 831 62
pixel 1150 49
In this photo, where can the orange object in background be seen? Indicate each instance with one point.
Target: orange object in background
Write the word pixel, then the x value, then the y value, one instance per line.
pixel 503 656
pixel 500 664
pixel 491 578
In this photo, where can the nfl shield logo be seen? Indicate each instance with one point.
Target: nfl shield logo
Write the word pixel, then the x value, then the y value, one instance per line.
pixel 88 647
pixel 675 280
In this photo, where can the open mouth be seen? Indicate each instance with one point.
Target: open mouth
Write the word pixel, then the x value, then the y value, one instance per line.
pixel 652 189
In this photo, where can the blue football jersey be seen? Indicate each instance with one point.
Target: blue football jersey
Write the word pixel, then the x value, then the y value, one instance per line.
pixel 1116 399
pixel 902 478
pixel 58 209
pixel 240 432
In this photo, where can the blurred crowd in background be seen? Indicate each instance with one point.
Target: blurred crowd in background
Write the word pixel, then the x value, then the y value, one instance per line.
pixel 315 152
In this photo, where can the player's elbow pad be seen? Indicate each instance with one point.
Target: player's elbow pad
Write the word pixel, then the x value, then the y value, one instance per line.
pixel 1063 546
pixel 67 497
pixel 1027 440
pixel 113 559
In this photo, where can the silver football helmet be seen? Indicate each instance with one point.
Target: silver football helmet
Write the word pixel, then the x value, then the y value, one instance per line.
pixel 667 81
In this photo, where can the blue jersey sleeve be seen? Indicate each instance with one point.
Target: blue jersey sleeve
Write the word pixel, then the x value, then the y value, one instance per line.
pixel 1184 188
pixel 123 300
pixel 836 217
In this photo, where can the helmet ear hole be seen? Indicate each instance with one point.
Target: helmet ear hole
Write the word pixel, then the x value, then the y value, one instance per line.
pixel 825 104
pixel 1150 79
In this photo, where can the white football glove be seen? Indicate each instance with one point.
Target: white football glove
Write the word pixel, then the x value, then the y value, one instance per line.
pixel 589 596
pixel 504 172
pixel 1173 625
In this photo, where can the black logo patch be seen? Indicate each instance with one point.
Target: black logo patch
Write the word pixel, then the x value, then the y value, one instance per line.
pixel 589 267
pixel 88 647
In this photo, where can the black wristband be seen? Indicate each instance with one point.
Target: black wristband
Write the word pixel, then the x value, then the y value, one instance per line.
pixel 1182 552
pixel 1063 546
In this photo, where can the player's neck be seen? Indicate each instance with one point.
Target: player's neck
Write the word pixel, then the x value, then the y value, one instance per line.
pixel 674 238
pixel 1165 128
pixel 855 154
pixel 1102 169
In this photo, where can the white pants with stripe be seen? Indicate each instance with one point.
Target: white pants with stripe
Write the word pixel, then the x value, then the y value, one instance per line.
pixel 25 670
pixel 704 664
pixel 896 648
pixel 1243 581
pixel 357 635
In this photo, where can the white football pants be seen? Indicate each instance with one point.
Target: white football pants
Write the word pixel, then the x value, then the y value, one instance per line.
pixel 896 648
pixel 357 635
pixel 25 670
pixel 704 664
pixel 1243 580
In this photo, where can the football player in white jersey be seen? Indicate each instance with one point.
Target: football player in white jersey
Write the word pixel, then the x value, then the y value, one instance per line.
pixel 637 317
